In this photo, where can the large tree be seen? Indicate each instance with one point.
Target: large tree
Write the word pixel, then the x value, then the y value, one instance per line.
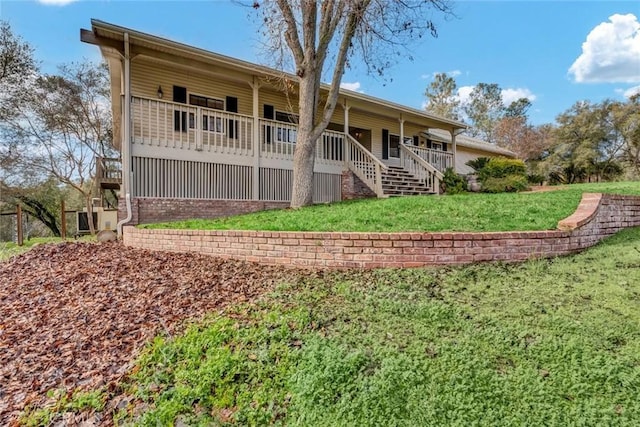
pixel 324 36
pixel 64 126
pixel 484 108
pixel 18 69
pixel 442 97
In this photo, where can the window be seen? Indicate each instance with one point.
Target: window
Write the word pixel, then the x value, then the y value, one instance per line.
pixel 394 145
pixel 212 123
pixel 203 101
pixel 286 134
pixel 436 146
pixel 209 123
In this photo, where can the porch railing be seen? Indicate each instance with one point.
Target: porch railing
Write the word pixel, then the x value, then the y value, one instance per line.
pixel 364 165
pixel 278 141
pixel 441 160
pixel 419 168
pixel 170 124
pixel 108 169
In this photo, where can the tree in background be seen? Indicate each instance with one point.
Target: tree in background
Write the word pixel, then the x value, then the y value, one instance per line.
pixel 323 37
pixel 626 122
pixel 64 125
pixel 41 201
pixel 484 109
pixel 589 143
pixel 442 97
pixel 18 70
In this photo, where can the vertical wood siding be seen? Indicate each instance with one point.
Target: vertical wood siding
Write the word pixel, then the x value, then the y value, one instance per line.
pixel 183 179
pixel 191 180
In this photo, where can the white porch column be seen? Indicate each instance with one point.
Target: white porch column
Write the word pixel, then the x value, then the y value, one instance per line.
pixel 346 108
pixel 255 138
pixel 453 133
pixel 400 151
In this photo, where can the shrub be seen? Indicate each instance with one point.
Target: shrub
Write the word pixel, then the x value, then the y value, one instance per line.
pixel 507 184
pixel 501 174
pixel 478 164
pixel 500 167
pixel 535 178
pixel 454 183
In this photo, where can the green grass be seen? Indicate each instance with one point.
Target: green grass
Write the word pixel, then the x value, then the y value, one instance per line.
pixel 465 212
pixel 547 342
pixel 9 249
pixel 61 401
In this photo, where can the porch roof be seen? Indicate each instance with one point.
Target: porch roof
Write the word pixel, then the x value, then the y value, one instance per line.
pixel 469 142
pixel 110 38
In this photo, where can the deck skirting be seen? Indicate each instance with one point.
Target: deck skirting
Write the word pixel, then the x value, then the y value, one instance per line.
pixel 598 216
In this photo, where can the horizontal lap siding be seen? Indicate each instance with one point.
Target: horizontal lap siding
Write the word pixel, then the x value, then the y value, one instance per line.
pixel 464 154
pixel 147 75
pixel 376 123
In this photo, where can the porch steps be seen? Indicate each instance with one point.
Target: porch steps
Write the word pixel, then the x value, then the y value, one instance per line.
pixel 396 181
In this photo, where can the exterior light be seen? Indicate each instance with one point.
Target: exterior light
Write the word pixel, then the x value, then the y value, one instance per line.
pixel 160 93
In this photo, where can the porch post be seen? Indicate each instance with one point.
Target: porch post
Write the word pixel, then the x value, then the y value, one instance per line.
pixel 346 108
pixel 401 120
pixel 453 147
pixel 257 146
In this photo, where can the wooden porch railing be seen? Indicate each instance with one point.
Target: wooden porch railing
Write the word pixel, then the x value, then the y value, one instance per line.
pixel 419 168
pixel 441 160
pixel 278 141
pixel 108 169
pixel 170 124
pixel 365 165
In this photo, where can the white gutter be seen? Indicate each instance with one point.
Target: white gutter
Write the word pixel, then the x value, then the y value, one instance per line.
pixel 126 135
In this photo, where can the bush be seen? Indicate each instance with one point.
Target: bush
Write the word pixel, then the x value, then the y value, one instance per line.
pixel 501 174
pixel 478 164
pixel 535 178
pixel 507 184
pixel 454 183
pixel 501 167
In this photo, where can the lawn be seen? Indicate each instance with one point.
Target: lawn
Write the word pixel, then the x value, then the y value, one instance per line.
pixel 466 212
pixel 9 249
pixel 547 342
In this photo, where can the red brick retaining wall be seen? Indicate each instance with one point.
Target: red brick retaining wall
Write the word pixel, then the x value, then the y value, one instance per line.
pixel 597 217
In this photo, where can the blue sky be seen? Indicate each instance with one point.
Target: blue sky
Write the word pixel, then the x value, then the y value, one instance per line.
pixel 554 52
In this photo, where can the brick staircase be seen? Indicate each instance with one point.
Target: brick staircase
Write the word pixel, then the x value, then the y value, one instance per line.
pixel 396 181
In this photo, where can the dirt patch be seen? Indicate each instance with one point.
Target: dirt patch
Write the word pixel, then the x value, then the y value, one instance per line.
pixel 74 315
pixel 545 188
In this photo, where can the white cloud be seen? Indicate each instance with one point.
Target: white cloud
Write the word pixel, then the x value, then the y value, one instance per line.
pixel 611 53
pixel 355 86
pixel 452 73
pixel 56 2
pixel 510 95
pixel 631 91
pixel 464 92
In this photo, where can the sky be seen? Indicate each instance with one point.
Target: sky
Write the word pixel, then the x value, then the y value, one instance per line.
pixel 553 52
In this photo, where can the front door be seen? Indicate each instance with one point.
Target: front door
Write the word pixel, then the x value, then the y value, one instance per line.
pixel 394 150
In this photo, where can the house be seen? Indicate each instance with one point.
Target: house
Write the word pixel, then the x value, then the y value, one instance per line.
pixel 205 135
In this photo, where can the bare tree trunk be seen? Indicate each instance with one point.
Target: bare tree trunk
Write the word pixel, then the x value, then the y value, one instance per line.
pixel 92 229
pixel 304 156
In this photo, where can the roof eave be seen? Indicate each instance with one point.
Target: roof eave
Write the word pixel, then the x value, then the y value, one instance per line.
pixel 105 27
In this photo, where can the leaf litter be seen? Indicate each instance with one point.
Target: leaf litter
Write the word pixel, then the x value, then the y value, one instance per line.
pixel 75 315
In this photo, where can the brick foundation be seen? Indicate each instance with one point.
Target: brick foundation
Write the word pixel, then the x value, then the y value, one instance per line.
pixel 354 188
pixel 149 210
pixel 597 217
